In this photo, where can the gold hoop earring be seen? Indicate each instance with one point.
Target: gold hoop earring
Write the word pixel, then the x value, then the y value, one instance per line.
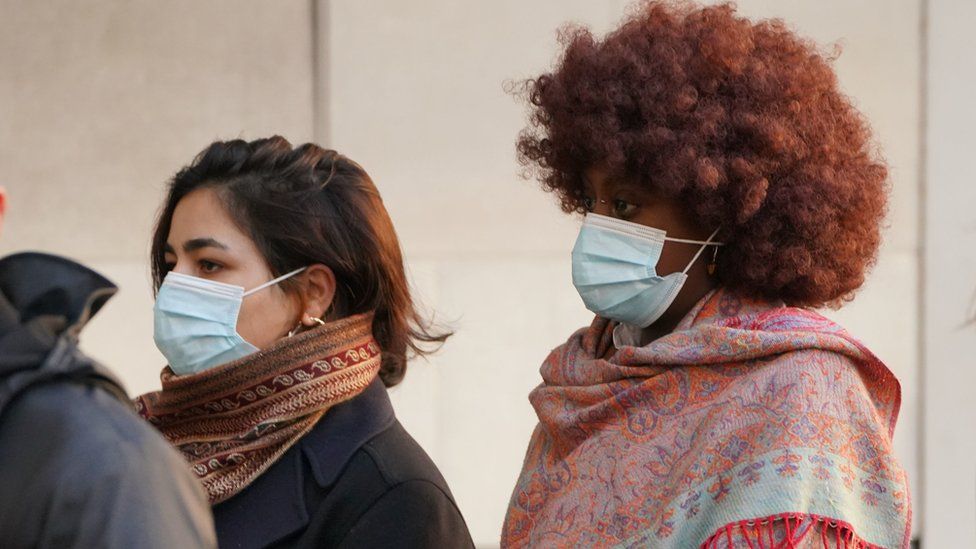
pixel 713 263
pixel 294 330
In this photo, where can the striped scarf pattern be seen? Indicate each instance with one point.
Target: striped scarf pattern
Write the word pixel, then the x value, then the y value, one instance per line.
pixel 233 422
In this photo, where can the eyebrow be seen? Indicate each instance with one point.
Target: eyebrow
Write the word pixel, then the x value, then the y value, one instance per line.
pixel 631 186
pixel 197 244
pixel 587 185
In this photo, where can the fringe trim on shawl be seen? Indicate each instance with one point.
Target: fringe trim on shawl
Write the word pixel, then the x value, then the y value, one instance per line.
pixel 762 534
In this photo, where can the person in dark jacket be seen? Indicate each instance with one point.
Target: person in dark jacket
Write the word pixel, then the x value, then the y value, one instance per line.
pixel 78 469
pixel 283 311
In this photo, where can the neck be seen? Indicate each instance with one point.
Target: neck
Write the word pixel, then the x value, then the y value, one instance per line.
pixel 693 291
pixel 662 327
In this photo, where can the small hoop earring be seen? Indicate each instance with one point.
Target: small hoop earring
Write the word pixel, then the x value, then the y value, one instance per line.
pixel 713 263
pixel 294 330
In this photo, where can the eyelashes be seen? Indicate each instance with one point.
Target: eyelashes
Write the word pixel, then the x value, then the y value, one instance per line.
pixel 205 266
pixel 619 207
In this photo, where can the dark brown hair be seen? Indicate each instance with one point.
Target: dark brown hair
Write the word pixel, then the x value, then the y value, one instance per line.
pixel 742 121
pixel 305 205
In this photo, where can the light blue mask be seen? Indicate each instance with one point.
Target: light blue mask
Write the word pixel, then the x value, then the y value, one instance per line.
pixel 196 322
pixel 614 272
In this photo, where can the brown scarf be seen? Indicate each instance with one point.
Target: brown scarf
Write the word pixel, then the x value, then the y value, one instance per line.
pixel 234 421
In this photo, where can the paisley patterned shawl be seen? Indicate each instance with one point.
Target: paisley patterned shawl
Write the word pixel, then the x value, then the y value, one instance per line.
pixel 748 414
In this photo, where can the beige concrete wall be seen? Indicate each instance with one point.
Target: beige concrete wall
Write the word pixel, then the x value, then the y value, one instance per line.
pixel 101 101
pixel 949 337
pixel 416 95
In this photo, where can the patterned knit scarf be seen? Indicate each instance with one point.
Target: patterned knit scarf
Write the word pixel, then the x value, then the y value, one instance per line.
pixel 751 425
pixel 234 421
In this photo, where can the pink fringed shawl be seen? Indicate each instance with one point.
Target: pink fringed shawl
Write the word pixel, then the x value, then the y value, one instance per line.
pixel 747 415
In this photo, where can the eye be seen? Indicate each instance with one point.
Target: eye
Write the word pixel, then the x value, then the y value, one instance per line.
pixel 589 203
pixel 209 267
pixel 622 208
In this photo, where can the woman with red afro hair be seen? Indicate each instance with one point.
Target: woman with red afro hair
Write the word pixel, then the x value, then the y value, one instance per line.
pixel 728 189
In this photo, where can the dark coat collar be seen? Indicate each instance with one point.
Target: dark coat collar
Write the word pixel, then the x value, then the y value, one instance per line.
pixel 45 301
pixel 38 285
pixel 274 505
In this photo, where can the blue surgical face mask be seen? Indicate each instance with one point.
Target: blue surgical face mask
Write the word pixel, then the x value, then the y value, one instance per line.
pixel 196 322
pixel 614 264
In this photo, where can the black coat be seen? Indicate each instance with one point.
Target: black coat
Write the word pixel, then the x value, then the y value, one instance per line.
pixel 78 467
pixel 357 480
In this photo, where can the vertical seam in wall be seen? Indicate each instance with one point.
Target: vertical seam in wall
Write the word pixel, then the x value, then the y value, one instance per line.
pixel 919 502
pixel 318 16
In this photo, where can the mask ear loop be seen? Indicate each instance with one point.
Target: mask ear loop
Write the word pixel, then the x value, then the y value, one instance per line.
pixel 270 283
pixel 702 249
pixel 273 282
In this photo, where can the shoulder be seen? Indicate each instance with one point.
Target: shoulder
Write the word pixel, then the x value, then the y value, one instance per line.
pixel 397 459
pixel 103 471
pixel 84 423
pixel 842 371
pixel 830 382
pixel 817 351
pixel 414 513
pixel 92 442
pixel 403 498
pixel 791 319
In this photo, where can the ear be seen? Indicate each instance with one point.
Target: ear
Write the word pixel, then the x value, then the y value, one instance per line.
pixel 318 291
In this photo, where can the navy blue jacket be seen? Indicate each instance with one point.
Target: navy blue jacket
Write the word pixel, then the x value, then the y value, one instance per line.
pixel 356 480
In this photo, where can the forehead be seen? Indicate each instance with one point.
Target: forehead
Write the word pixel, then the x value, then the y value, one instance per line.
pixel 599 179
pixel 202 214
pixel 594 176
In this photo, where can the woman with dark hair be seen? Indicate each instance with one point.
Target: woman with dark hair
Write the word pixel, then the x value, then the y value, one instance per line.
pixel 728 189
pixel 283 310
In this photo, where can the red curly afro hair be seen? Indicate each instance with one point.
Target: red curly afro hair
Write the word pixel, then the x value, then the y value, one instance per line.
pixel 743 122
